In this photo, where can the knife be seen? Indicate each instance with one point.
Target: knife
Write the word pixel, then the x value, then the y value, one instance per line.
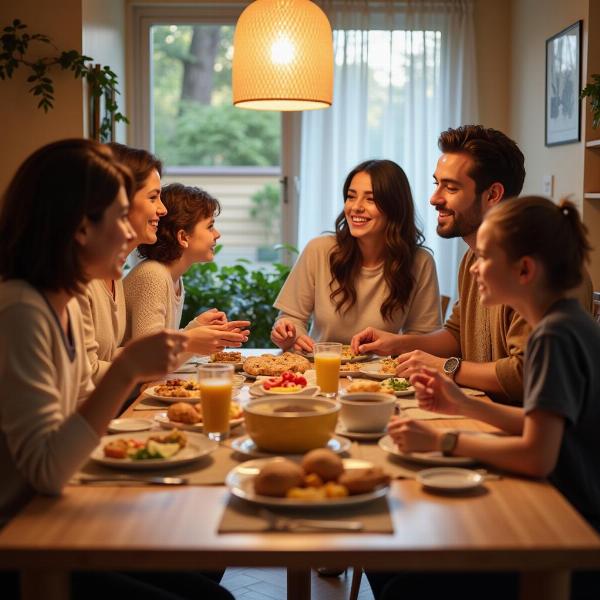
pixel 129 479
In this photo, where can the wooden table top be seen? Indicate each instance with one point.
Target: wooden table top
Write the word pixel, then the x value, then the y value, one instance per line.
pixel 512 523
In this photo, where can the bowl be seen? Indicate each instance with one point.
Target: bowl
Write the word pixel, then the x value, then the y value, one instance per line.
pixel 366 412
pixel 291 424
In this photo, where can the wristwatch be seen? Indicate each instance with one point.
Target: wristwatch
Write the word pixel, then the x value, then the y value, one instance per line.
pixel 448 443
pixel 451 366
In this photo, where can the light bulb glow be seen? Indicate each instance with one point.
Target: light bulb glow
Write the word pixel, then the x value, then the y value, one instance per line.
pixel 282 51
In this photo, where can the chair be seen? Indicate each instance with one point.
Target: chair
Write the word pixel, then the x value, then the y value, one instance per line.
pixel 355 584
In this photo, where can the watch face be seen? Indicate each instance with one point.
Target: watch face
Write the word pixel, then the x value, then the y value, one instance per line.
pixel 451 365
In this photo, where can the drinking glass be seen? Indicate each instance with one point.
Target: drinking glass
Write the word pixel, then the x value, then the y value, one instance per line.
pixel 215 395
pixel 328 357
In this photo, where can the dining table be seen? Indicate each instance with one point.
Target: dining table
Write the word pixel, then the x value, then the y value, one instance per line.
pixel 510 523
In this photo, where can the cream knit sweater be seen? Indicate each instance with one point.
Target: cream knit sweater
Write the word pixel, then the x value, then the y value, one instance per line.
pixel 43 441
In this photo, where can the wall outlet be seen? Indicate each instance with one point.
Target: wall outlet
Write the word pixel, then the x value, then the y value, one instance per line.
pixel 548 185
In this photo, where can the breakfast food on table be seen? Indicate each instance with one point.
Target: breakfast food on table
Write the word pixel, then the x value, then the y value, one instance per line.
pixel 154 447
pixel 232 357
pixel 388 365
pixel 366 385
pixel 276 478
pixel 395 384
pixel 348 354
pixel 320 476
pixel 190 414
pixel 287 382
pixel 178 388
pixel 272 365
pixel 350 367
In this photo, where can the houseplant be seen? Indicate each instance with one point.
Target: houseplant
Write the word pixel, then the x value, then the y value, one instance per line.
pixel 14 47
pixel 592 90
pixel 239 290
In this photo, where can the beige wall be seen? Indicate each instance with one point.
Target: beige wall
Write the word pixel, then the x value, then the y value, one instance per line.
pixel 24 127
pixel 492 38
pixel 532 22
pixel 104 40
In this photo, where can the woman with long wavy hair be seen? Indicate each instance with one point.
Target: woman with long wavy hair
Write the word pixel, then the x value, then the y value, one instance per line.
pixel 374 269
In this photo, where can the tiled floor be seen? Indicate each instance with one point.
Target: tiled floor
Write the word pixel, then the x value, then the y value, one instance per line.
pixel 270 584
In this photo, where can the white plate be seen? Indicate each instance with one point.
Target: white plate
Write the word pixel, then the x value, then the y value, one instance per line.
pixel 240 482
pixel 129 425
pixel 257 390
pixel 355 359
pixel 449 479
pixel 425 458
pixel 409 391
pixel 198 445
pixel 472 392
pixel 236 365
pixel 164 421
pixel 372 370
pixel 246 445
pixel 151 391
pixel 359 435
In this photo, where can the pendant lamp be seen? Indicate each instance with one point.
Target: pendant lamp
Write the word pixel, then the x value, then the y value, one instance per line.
pixel 282 56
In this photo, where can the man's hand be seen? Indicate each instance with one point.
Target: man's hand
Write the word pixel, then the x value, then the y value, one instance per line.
pixel 414 436
pixel 376 341
pixel 413 362
pixel 437 392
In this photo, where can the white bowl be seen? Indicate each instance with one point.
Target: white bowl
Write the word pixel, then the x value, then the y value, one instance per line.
pixel 364 412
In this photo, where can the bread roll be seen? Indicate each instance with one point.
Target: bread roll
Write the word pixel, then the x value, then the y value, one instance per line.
pixel 324 463
pixel 183 412
pixel 277 477
pixel 363 481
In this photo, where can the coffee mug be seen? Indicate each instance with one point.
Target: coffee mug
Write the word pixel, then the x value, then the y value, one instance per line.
pixel 366 412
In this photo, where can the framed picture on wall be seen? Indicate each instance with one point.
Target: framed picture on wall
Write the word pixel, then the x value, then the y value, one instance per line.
pixel 563 84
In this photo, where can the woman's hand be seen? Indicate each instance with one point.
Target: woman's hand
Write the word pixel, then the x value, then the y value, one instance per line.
pixel 437 392
pixel 153 355
pixel 304 343
pixel 283 334
pixel 414 361
pixel 376 341
pixel 211 317
pixel 414 436
pixel 207 339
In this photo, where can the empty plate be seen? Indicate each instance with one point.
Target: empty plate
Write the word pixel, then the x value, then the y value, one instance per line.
pixel 125 425
pixel 450 479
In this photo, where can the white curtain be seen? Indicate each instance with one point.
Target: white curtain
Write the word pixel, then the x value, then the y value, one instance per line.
pixel 404 72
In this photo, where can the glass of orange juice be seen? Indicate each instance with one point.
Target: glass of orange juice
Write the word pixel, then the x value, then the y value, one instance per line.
pixel 215 396
pixel 328 357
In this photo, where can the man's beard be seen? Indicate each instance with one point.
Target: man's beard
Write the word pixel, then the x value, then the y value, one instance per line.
pixel 464 224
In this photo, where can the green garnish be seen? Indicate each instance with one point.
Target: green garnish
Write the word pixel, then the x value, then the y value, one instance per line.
pixel 398 384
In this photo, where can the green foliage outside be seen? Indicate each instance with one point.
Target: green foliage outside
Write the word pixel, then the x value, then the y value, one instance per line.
pixel 266 209
pixel 592 90
pixel 190 133
pixel 240 291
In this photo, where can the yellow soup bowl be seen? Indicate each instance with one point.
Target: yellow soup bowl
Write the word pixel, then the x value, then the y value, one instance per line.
pixel 291 424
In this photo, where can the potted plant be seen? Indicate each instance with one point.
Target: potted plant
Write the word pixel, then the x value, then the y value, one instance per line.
pixel 592 90
pixel 266 209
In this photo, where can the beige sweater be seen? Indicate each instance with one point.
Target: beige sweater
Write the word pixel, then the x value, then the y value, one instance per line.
pixel 151 300
pixel 495 333
pixel 104 324
pixel 43 441
pixel 305 294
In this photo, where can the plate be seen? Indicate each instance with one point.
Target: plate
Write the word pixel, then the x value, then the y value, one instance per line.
pixel 239 481
pixel 425 458
pixel 257 390
pixel 354 359
pixel 164 421
pixel 129 425
pixel 198 446
pixel 359 435
pixel 449 479
pixel 172 400
pixel 372 370
pixel 409 391
pixel 246 445
pixel 236 365
pixel 472 392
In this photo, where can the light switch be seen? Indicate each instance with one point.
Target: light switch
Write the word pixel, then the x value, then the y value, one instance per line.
pixel 548 185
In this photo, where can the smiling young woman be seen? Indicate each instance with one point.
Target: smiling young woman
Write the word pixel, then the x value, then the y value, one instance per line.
pixel 373 272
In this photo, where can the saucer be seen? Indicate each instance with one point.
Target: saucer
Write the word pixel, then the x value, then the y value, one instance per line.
pixel 246 445
pixel 359 435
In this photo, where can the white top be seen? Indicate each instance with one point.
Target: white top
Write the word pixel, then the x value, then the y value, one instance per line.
pixel 151 300
pixel 104 324
pixel 43 441
pixel 305 294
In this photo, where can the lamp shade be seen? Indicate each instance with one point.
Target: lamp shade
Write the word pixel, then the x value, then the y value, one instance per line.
pixel 283 56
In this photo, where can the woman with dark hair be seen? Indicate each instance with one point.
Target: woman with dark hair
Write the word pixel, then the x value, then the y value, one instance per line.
pixel 373 272
pixel 154 289
pixel 103 301
pixel 530 255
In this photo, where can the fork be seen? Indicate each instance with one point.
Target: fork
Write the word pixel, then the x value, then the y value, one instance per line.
pixel 132 479
pixel 279 523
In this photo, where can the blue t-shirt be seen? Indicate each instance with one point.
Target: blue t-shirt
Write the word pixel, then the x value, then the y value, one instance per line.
pixel 562 376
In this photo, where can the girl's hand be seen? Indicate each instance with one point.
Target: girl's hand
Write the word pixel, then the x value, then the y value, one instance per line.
pixel 214 338
pixel 154 355
pixel 283 334
pixel 437 392
pixel 211 317
pixel 414 436
pixel 304 343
